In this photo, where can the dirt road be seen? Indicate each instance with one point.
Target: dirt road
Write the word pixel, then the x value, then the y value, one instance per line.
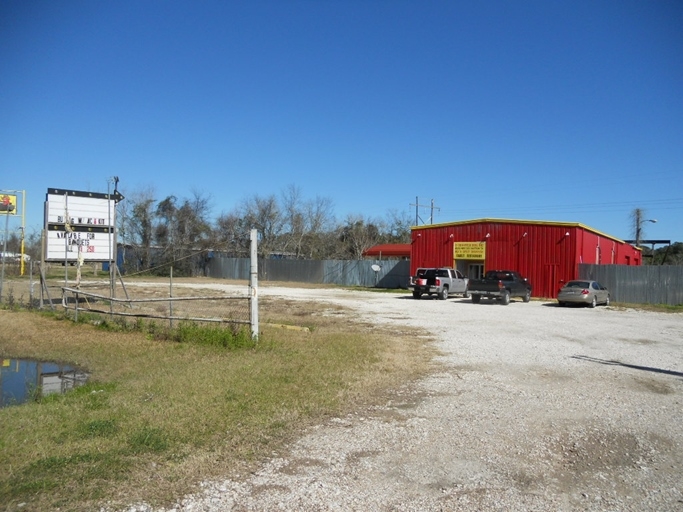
pixel 533 407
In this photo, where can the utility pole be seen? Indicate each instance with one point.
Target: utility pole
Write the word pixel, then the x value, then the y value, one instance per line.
pixel 638 220
pixel 431 216
pixel 417 206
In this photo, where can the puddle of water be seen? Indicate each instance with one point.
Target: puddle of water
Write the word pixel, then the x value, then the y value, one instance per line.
pixel 23 379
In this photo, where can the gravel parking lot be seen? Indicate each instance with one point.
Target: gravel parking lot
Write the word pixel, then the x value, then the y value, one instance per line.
pixel 533 407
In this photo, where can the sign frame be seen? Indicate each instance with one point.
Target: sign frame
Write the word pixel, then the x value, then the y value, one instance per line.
pixel 80 226
pixel 469 251
pixel 8 204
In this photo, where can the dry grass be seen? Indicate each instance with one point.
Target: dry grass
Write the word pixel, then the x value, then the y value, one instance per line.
pixel 158 417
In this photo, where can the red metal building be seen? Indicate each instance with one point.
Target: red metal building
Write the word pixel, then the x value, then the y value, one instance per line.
pixel 546 253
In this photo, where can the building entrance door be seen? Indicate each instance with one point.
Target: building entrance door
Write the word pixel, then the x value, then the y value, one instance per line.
pixel 475 270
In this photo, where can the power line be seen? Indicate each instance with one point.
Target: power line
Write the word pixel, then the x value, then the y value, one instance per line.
pixel 666 204
pixel 417 205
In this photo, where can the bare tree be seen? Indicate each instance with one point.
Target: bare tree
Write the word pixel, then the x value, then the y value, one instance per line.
pixel 398 227
pixel 136 223
pixel 32 244
pixel 165 229
pixel 194 231
pixel 357 235
pixel 231 234
pixel 293 221
pixel 174 229
pixel 321 225
pixel 304 223
pixel 182 232
pixel 263 214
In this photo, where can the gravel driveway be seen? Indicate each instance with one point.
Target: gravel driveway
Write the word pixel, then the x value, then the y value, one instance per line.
pixel 535 408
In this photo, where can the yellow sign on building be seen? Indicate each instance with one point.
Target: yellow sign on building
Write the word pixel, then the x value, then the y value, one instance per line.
pixel 8 204
pixel 469 250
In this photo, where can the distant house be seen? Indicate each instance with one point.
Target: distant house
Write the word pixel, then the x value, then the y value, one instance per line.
pixel 388 251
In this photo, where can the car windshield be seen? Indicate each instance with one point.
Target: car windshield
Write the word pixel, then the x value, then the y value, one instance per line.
pixel 577 284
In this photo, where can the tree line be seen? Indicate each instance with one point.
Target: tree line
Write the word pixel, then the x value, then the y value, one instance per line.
pixel 155 234
pixel 180 231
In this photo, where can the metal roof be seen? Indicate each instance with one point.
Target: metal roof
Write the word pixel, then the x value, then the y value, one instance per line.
pixel 518 221
pixel 402 250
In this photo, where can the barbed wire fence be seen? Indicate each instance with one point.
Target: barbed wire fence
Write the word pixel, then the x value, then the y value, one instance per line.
pixel 151 300
pixel 177 304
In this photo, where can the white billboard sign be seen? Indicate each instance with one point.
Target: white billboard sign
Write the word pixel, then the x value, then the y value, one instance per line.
pixel 79 225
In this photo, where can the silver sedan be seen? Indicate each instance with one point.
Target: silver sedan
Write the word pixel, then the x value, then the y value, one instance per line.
pixel 590 293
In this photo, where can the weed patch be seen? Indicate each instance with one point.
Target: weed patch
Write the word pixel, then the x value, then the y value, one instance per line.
pixel 193 402
pixel 149 439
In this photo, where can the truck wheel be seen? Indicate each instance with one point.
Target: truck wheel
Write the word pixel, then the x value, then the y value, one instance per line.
pixel 443 295
pixel 527 296
pixel 505 298
pixel 466 295
pixel 417 295
pixel 476 299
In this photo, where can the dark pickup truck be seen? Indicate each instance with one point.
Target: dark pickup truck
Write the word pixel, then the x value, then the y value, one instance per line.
pixel 500 285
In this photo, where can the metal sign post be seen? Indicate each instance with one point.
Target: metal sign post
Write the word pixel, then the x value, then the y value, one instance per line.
pixel 4 253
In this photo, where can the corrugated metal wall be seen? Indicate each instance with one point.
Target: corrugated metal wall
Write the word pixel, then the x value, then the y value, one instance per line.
pixel 630 284
pixel 392 273
pixel 221 267
pixel 291 270
pixel 651 284
pixel 547 254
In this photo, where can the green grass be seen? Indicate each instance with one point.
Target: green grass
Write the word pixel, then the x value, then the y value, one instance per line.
pixel 162 413
pixel 226 336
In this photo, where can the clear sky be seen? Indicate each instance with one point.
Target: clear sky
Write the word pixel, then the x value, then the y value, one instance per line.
pixel 538 110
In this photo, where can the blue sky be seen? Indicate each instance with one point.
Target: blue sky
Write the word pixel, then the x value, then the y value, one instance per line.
pixel 538 110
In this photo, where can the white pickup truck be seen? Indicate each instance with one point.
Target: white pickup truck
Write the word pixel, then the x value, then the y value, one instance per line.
pixel 440 281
